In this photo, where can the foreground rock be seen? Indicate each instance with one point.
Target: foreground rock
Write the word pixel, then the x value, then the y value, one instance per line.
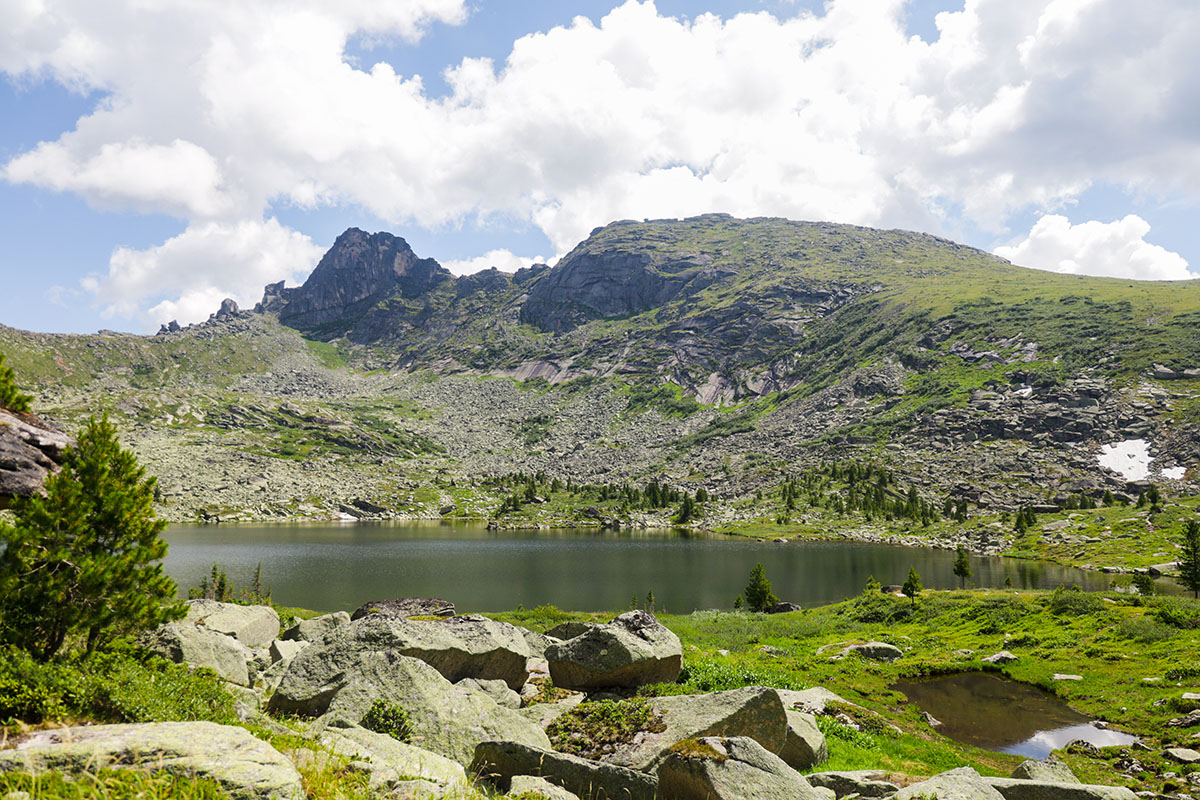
pixel 631 651
pixel 812 701
pixel 30 449
pixel 876 651
pixel 393 761
pixel 522 785
pixel 498 762
pixel 1055 771
pixel 446 719
pixel 1016 789
pixel 862 782
pixel 317 628
pixel 457 647
pixel 184 643
pixel 754 712
pixel 963 783
pixel 244 766
pixel 718 768
pixel 253 626
pixel 406 607
pixel 805 746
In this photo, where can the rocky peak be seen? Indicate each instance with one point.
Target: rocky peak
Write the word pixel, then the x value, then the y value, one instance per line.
pixel 359 271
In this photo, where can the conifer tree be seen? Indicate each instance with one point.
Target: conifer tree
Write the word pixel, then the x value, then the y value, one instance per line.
pixel 759 596
pixel 1189 558
pixel 912 585
pixel 10 396
pixel 85 560
pixel 962 566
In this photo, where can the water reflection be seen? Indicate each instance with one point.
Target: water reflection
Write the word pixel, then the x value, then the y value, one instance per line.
pixel 996 713
pixel 328 567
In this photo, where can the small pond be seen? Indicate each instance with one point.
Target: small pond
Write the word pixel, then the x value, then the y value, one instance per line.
pixel 995 713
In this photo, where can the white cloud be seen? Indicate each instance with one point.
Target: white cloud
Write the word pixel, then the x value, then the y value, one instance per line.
pixel 503 260
pixel 1107 249
pixel 200 267
pixel 216 111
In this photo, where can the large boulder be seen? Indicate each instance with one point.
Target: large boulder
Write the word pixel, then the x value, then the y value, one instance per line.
pixel 876 651
pixel 253 626
pixel 244 766
pixel 185 643
pixel 963 783
pixel 457 647
pixel 392 760
pixel 315 629
pixel 718 768
pixel 406 607
pixel 1018 789
pixel 861 782
pixel 755 712
pixel 570 629
pixel 1055 771
pixel 498 762
pixel 805 746
pixel 812 701
pixel 30 449
pixel 527 785
pixel 445 719
pixel 631 651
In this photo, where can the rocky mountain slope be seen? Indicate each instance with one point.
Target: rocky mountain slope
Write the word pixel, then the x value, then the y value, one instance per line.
pixel 712 352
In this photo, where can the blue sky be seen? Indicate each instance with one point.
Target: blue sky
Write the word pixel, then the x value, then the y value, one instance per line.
pixel 152 163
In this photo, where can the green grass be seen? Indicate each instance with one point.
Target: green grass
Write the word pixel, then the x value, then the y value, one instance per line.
pixel 112 785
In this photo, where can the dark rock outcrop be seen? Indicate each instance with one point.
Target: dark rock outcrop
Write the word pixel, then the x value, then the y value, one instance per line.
pixel 30 449
pixel 359 271
pixel 406 607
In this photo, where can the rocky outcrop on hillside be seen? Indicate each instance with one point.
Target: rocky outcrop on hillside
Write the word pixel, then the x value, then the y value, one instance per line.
pixel 30 449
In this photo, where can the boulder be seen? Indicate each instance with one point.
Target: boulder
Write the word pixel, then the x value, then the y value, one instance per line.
pixel 244 766
pixel 185 643
pixel 1189 720
pixel 632 650
pixel 1003 657
pixel 755 712
pixel 406 607
pixel 812 701
pixel 457 647
pixel 285 650
pixel 522 785
pixel 1183 755
pixel 498 762
pixel 315 629
pixel 805 745
pixel 497 690
pixel 569 630
pixel 537 642
pixel 783 608
pixel 718 768
pixel 445 719
pixel 963 783
pixel 1050 770
pixel 30 449
pixel 253 626
pixel 861 782
pixel 1017 789
pixel 392 759
pixel 877 651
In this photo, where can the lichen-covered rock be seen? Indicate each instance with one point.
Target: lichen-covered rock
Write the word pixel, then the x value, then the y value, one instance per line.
pixel 755 712
pixel 631 651
pixel 457 647
pixel 1002 657
pixel 253 626
pixel 392 760
pixel 805 746
pixel 1019 789
pixel 498 762
pixel 285 649
pixel 497 690
pixel 1055 771
pixel 315 629
pixel 445 719
pixel 244 766
pixel 570 629
pixel 522 785
pixel 862 782
pixel 184 643
pixel 963 783
pixel 812 701
pixel 877 651
pixel 719 768
pixel 406 607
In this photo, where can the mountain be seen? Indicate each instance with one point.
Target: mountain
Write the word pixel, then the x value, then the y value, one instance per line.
pixel 733 355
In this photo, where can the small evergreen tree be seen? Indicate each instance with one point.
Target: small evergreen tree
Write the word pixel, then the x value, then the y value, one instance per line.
pixel 912 585
pixel 758 590
pixel 1008 581
pixel 10 396
pixel 650 601
pixel 687 510
pixel 1108 498
pixel 86 558
pixel 1189 558
pixel 962 566
pixel 738 603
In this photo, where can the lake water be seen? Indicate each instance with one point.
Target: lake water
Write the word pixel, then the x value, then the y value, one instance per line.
pixel 995 713
pixel 330 567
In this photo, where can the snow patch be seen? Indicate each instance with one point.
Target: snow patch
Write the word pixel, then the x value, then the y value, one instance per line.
pixel 1130 458
pixel 1174 473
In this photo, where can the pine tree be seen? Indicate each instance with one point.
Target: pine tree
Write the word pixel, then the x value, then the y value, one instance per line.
pixel 10 396
pixel 738 603
pixel 962 566
pixel 1189 558
pixel 85 560
pixel 687 510
pixel 912 585
pixel 758 591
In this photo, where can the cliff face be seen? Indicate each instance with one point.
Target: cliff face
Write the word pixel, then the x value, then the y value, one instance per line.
pixel 357 273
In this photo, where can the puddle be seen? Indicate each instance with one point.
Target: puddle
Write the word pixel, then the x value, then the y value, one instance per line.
pixel 994 713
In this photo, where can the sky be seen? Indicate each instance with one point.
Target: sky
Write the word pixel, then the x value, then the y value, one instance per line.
pixel 157 157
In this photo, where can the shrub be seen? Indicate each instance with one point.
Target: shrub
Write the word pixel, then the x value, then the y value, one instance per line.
pixel 594 729
pixel 1178 612
pixel 1144 629
pixel 708 675
pixel 998 614
pixel 386 716
pixel 1074 602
